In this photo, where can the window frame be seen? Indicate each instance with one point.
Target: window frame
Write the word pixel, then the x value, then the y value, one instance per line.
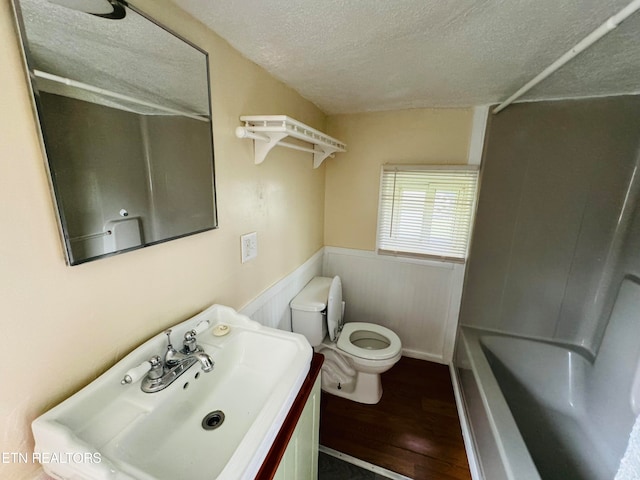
pixel 427 220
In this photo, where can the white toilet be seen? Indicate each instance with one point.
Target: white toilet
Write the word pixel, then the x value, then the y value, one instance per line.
pixel 356 353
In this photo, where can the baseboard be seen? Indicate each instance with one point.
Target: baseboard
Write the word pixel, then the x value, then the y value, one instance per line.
pixel 423 356
pixel 467 436
pixel 388 258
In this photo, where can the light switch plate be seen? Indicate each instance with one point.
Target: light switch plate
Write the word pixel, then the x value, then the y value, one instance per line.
pixel 249 246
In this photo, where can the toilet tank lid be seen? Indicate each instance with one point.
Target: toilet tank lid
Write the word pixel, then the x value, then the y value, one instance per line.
pixel 313 297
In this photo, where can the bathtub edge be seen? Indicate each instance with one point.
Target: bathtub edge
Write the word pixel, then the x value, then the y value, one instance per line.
pixel 469 445
pixel 516 461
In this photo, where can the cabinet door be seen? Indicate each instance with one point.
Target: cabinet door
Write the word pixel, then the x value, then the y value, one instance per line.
pixel 300 460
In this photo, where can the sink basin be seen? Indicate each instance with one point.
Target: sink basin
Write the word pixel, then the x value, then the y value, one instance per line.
pixel 112 431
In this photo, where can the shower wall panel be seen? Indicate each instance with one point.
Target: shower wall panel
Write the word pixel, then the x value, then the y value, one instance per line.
pixel 554 179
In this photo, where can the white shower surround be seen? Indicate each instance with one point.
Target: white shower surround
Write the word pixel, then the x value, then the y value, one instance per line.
pixel 576 426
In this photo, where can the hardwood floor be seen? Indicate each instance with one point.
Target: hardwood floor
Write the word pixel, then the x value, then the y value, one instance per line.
pixel 414 430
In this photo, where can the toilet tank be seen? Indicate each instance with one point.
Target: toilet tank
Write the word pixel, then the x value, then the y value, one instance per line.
pixel 307 310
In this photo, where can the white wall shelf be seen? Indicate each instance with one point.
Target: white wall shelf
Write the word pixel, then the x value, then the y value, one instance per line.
pixel 269 131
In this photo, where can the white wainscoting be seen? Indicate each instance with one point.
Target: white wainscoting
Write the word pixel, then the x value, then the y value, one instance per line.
pixel 271 307
pixel 417 299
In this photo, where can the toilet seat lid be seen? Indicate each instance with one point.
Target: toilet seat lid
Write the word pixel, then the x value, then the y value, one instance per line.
pixel 334 308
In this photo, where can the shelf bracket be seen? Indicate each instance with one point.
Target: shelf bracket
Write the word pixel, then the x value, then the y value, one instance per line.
pixel 262 148
pixel 320 154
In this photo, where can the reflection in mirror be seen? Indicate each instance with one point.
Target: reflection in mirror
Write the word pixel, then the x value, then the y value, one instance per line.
pixel 124 112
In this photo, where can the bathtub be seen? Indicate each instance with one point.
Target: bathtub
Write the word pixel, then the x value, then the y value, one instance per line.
pixel 537 410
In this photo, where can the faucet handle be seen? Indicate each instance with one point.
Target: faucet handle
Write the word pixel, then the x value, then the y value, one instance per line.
pixel 157 369
pixel 153 368
pixel 189 342
pixel 167 332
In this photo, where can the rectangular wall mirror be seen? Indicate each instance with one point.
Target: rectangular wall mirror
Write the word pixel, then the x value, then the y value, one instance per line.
pixel 124 111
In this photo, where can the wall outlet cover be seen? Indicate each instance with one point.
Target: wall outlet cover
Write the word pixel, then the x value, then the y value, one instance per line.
pixel 249 246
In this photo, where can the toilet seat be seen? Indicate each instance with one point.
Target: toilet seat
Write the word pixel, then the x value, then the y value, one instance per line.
pixel 345 343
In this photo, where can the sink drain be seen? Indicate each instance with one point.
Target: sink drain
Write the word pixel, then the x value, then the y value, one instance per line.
pixel 213 420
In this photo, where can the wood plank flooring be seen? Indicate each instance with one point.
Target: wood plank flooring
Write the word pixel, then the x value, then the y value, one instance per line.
pixel 414 430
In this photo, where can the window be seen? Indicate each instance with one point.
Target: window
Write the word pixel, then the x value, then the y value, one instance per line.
pixel 426 210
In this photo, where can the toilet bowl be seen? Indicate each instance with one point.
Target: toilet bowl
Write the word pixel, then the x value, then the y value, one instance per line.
pixel 356 353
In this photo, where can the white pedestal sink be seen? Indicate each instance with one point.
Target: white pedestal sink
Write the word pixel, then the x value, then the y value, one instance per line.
pixel 113 431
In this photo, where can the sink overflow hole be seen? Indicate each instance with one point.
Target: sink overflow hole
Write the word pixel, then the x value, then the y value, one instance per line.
pixel 213 420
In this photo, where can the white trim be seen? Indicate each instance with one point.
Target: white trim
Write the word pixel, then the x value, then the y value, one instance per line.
pixel 467 435
pixel 438 348
pixel 478 131
pixel 261 300
pixel 392 167
pixel 379 215
pixel 417 354
pixel 271 307
pixel 362 464
pixel 453 313
pixel 389 258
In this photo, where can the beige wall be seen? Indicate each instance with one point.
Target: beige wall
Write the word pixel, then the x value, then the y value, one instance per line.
pixel 61 326
pixel 436 136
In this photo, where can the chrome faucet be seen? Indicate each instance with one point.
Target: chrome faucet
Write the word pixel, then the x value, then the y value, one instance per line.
pixel 165 371
pixel 190 350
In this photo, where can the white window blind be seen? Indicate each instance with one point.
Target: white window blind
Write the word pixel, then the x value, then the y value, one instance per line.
pixel 426 210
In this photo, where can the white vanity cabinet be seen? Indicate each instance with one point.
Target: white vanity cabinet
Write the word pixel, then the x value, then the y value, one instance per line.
pixel 300 459
pixel 294 451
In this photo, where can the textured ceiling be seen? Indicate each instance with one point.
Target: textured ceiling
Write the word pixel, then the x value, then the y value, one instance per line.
pixel 366 55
